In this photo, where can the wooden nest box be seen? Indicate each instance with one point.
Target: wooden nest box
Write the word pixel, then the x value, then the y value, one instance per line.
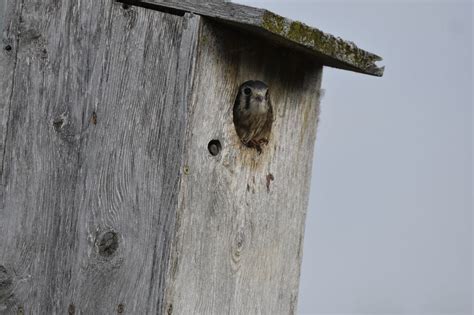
pixel 125 188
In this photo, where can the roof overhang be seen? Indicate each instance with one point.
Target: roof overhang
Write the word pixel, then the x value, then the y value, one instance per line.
pixel 330 50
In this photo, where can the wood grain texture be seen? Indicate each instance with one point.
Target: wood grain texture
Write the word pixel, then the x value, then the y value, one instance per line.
pixel 9 24
pixel 240 219
pixel 196 1
pixel 110 200
pixel 329 50
pixel 92 155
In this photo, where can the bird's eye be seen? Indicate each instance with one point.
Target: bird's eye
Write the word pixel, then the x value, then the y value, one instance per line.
pixel 247 91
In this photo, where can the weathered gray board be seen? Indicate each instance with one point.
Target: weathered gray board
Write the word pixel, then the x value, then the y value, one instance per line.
pixel 240 220
pixel 70 175
pixel 110 201
pixel 329 50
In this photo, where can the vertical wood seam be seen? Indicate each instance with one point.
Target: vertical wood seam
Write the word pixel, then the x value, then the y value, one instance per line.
pixel 9 104
pixel 186 76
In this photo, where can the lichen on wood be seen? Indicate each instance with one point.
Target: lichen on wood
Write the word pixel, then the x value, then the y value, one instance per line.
pixel 329 50
pixel 323 43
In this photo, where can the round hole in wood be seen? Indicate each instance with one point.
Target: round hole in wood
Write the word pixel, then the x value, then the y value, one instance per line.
pixel 214 147
pixel 186 170
pixel 8 47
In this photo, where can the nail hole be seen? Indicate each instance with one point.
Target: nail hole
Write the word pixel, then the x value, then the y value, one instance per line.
pixel 21 311
pixel 126 6
pixel 8 47
pixel 58 123
pixel 186 170
pixel 94 118
pixel 107 243
pixel 120 308
pixel 72 309
pixel 270 178
pixel 169 311
pixel 214 147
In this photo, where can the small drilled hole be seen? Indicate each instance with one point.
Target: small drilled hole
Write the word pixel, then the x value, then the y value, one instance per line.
pixel 8 47
pixel 214 147
pixel 186 170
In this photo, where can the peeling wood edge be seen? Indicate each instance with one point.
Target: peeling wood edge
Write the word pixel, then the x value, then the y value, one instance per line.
pixel 333 51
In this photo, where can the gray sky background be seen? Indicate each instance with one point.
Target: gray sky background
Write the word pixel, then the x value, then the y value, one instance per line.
pixel 390 215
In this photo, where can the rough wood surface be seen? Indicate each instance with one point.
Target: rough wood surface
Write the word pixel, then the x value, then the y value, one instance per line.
pixel 329 50
pixel 240 219
pixel 93 132
pixel 110 199
pixel 196 1
pixel 9 23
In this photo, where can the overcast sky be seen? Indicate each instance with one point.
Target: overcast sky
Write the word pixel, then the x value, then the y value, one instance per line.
pixel 390 216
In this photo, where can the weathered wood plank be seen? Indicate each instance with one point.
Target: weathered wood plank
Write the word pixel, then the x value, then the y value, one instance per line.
pixel 196 1
pixel 329 50
pixel 132 162
pixel 110 199
pixel 37 220
pixel 9 24
pixel 240 220
pixel 92 157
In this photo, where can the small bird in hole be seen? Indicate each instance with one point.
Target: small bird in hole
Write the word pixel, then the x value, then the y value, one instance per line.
pixel 253 114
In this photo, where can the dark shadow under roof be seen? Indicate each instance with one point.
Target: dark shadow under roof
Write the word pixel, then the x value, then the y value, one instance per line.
pixel 330 50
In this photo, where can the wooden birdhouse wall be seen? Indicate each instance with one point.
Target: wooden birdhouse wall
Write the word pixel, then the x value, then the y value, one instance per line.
pixel 240 218
pixel 112 199
pixel 92 132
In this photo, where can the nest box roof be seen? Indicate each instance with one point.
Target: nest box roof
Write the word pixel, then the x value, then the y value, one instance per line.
pixel 330 50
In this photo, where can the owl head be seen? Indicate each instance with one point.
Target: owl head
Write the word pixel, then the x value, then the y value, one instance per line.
pixel 253 97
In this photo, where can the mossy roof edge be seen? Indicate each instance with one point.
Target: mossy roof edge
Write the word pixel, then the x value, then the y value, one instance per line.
pixel 347 53
pixel 330 50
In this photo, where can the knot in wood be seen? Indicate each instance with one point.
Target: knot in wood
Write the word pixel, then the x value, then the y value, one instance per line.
pixel 6 282
pixel 239 243
pixel 107 243
pixel 71 309
pixel 169 310
pixel 58 124
pixel 120 308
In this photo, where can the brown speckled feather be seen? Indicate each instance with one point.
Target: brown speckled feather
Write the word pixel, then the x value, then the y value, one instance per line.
pixel 253 129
